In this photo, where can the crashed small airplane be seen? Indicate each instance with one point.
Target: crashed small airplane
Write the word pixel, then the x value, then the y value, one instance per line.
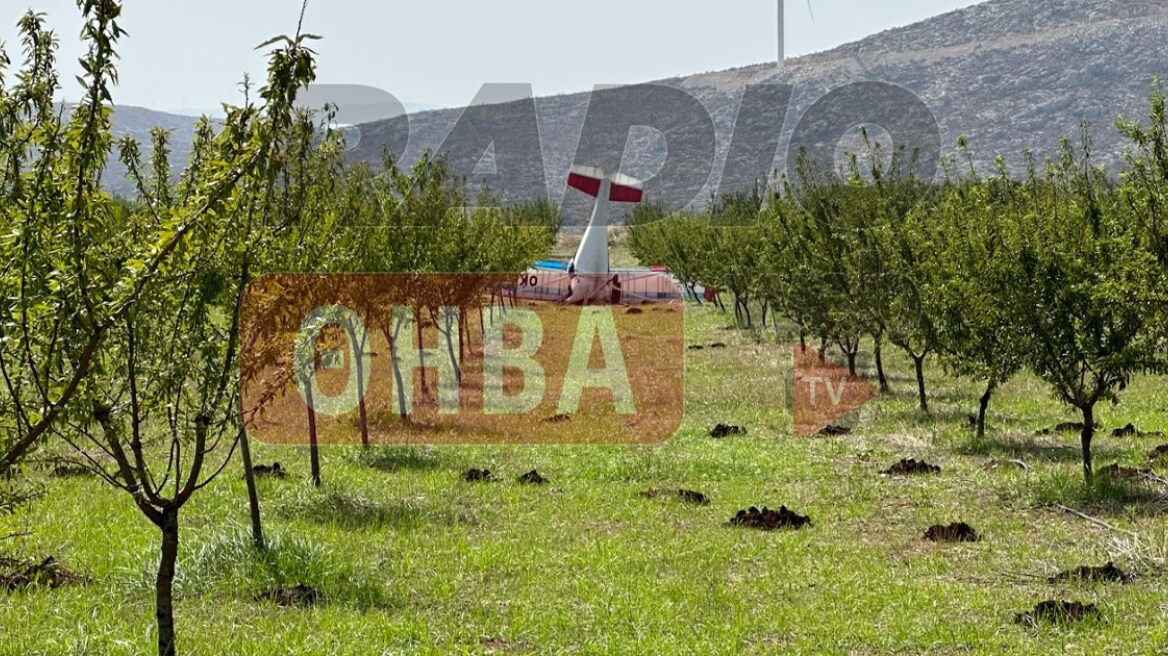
pixel 589 278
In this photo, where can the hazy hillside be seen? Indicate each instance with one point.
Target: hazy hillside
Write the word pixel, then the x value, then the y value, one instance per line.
pixel 137 122
pixel 1010 74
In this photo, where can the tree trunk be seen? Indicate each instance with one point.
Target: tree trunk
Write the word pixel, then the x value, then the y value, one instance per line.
pixel 164 584
pixel 880 375
pixel 463 335
pixel 360 366
pixel 1087 435
pixel 313 445
pixel 253 497
pixel 985 404
pixel 448 334
pixel 398 382
pixel 919 362
pixel 421 354
pixel 851 362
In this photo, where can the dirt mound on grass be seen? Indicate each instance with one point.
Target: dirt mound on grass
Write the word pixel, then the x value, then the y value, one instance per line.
pixel 275 470
pixel 718 345
pixel 299 595
pixel 532 478
pixel 71 471
pixel 1065 427
pixel 835 431
pixel 696 347
pixel 1006 464
pixel 911 467
pixel 477 476
pixel 685 496
pixel 1058 612
pixel 726 430
pixel 634 310
pixel 959 532
pixel 1109 573
pixel 770 520
pixel 1127 473
pixel 559 419
pixel 1131 431
pixel 47 573
pixel 1158 454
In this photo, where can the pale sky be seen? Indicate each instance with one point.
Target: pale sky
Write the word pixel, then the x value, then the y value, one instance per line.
pixel 184 55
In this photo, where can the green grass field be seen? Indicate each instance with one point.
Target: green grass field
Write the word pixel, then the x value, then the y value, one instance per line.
pixel 412 560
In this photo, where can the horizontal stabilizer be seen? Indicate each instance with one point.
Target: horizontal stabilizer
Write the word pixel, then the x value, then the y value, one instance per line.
pixel 589 180
pixel 626 189
pixel 586 179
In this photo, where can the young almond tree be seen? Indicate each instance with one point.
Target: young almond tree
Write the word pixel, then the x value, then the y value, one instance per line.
pixel 1079 271
pixel 55 310
pixel 163 399
pixel 969 276
pixel 1145 191
pixel 900 253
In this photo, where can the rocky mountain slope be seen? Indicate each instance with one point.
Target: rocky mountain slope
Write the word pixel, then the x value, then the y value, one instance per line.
pixel 1009 74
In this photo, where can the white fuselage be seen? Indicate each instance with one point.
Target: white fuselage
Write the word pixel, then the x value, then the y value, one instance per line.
pixel 591 264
